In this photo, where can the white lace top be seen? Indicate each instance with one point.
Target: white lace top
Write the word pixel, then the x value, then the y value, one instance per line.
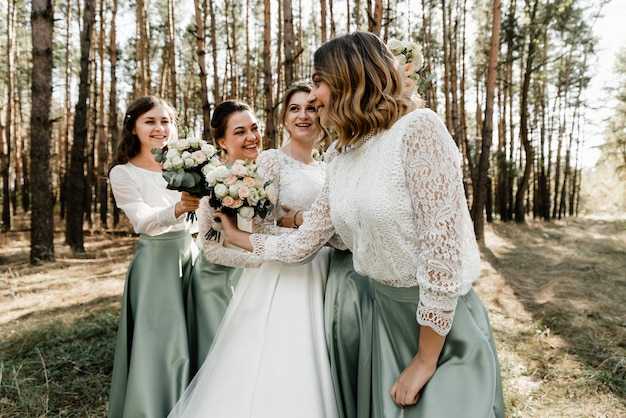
pixel 144 198
pixel 397 202
pixel 297 185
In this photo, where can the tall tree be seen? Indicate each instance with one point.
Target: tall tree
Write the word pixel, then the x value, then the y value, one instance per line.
pixel 77 188
pixel 201 57
pixel 288 41
pixel 102 139
pixel 113 122
pixel 42 219
pixel 270 127
pixel 5 149
pixel 482 175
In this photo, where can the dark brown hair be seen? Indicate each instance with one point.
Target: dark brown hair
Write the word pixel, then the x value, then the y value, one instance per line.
pixel 222 114
pixel 129 144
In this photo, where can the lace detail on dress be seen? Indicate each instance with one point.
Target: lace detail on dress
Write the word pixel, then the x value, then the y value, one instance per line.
pixel 297 186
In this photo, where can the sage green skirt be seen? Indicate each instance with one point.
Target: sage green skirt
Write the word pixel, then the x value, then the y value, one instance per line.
pixel 209 292
pixel 348 322
pixel 151 365
pixel 467 381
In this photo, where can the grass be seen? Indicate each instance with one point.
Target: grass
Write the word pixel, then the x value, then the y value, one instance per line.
pixel 59 366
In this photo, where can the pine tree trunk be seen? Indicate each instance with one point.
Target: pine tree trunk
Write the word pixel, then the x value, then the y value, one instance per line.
pixel 76 179
pixel 481 187
pixel 42 219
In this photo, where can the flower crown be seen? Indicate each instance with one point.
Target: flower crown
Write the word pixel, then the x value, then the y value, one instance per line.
pixel 409 57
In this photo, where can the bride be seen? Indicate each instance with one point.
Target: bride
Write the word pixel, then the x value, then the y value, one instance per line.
pixel 269 358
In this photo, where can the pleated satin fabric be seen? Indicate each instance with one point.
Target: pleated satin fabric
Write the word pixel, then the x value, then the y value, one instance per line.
pixel 210 290
pixel 467 381
pixel 348 322
pixel 151 366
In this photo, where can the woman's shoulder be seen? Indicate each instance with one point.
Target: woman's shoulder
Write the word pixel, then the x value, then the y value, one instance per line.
pixel 120 170
pixel 270 154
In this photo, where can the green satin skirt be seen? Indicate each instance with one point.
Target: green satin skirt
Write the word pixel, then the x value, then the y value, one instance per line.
pixel 348 322
pixel 151 365
pixel 209 292
pixel 467 381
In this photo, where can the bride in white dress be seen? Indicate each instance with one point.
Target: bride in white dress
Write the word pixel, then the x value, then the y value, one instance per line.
pixel 269 358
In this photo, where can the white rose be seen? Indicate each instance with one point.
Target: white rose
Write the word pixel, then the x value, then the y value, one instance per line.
pixel 246 212
pixel 190 162
pixel 395 46
pixel 401 59
pixel 182 144
pixel 199 156
pixel 239 170
pixel 418 60
pixel 177 163
pixel 171 153
pixel 253 197
pixel 233 190
pixel 193 142
pixel 208 149
pixel 206 169
pixel 413 48
pixel 221 172
pixel 215 160
pixel 167 165
pixel 210 178
pixel 220 191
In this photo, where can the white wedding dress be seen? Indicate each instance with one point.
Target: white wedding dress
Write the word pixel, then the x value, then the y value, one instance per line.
pixel 269 358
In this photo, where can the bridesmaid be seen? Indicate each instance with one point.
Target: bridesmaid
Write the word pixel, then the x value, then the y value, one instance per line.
pixel 235 129
pixel 151 365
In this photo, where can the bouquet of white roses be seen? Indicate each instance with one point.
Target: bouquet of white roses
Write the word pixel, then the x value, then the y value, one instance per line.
pixel 237 189
pixel 411 61
pixel 185 162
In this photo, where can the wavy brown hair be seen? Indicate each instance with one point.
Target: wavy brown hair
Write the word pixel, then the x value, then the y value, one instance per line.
pixel 367 91
pixel 129 144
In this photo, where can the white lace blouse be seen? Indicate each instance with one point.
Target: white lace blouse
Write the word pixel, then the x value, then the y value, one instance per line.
pixel 144 198
pixel 397 202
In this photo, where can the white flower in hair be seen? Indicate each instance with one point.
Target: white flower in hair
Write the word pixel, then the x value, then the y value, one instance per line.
pixel 411 63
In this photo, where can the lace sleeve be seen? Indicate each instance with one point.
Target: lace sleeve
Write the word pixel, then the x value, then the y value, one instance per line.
pixel 301 245
pixel 448 255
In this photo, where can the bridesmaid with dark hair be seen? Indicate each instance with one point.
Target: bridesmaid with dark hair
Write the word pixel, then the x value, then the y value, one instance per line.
pixel 151 365
pixel 211 286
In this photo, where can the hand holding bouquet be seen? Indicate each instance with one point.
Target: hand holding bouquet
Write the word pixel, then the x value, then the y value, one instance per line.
pixel 185 162
pixel 237 189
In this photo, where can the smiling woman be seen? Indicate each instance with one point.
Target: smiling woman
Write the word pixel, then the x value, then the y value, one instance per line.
pixel 151 366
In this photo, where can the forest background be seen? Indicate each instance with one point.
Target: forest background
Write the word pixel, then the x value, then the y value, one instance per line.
pixel 513 84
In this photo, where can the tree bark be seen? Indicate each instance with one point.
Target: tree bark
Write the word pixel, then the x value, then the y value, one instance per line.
pixel 76 180
pixel 481 186
pixel 42 219
pixel 270 127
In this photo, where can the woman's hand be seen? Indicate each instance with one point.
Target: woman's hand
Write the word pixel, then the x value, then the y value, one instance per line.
pixel 231 233
pixel 406 390
pixel 187 203
pixel 291 219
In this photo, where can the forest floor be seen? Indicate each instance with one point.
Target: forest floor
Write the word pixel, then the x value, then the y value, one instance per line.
pixel 555 291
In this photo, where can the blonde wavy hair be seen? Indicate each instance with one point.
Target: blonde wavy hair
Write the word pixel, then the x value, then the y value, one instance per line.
pixel 367 91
